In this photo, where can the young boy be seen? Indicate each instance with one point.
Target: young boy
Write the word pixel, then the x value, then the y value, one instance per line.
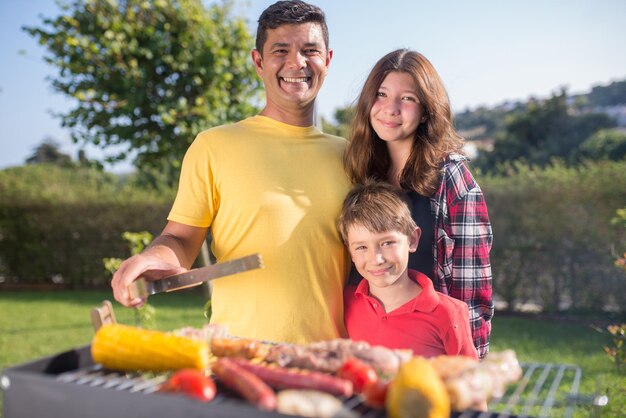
pixel 393 306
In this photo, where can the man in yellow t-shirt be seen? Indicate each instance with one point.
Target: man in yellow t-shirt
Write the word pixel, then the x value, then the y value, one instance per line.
pixel 271 184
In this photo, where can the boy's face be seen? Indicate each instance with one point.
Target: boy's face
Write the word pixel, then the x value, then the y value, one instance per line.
pixel 381 258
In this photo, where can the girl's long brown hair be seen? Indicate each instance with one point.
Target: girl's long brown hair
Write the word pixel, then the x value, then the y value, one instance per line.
pixel 367 154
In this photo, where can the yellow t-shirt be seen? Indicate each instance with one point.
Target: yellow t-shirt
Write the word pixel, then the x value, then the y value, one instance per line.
pixel 276 189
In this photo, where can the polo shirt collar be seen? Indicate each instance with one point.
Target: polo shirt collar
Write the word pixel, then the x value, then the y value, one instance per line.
pixel 363 288
pixel 426 301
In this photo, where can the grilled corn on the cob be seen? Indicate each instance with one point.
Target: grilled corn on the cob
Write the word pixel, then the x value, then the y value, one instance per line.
pixel 123 347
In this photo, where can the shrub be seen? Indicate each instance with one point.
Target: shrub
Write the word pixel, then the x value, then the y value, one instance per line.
pixel 554 243
pixel 552 234
pixel 57 224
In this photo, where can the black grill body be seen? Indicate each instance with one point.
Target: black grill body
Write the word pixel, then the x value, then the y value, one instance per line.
pixel 70 385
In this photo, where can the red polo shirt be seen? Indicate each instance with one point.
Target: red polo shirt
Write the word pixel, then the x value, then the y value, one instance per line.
pixel 430 324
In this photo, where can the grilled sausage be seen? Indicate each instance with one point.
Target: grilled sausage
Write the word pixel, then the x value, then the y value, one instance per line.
pixel 281 378
pixel 246 384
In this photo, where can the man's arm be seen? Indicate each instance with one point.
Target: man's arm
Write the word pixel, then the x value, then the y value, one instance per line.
pixel 171 252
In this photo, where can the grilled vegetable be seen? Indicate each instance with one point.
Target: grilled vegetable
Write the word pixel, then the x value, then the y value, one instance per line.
pixel 122 347
pixel 309 403
pixel 192 383
pixel 359 373
pixel 417 392
pixel 375 394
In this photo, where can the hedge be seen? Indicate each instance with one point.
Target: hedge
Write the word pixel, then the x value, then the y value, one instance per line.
pixel 57 224
pixel 554 244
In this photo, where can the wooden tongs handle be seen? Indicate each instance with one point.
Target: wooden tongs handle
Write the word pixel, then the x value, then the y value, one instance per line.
pixel 103 315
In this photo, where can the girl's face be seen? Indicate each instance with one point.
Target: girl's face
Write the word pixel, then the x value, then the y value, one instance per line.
pixel 397 112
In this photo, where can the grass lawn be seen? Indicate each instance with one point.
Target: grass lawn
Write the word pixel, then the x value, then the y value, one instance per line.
pixel 36 324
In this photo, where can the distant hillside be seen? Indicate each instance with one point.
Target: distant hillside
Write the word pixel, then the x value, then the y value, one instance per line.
pixel 482 124
pixel 603 96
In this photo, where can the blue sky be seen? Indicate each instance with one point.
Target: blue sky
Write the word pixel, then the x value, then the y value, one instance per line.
pixel 487 52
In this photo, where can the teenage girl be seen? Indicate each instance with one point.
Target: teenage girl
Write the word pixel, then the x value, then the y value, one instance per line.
pixel 402 133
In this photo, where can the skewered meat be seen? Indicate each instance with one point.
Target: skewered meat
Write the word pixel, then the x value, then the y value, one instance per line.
pixel 505 365
pixel 224 345
pixel 471 384
pixel 305 357
pixel 206 333
pixel 384 360
pixel 329 356
pixel 232 347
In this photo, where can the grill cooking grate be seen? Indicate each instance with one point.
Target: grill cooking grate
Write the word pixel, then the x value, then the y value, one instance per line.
pixel 543 391
pixel 96 376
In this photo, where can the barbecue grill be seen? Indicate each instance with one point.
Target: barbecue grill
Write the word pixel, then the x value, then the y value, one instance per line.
pixel 70 385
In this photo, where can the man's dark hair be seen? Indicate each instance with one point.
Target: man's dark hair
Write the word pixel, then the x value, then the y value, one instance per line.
pixel 289 13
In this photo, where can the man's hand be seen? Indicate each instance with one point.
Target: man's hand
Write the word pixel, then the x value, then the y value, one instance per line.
pixel 176 247
pixel 149 266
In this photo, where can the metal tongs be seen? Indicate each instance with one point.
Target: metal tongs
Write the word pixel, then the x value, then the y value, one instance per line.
pixel 142 288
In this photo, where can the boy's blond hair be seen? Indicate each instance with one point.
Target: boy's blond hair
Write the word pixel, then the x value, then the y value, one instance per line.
pixel 378 207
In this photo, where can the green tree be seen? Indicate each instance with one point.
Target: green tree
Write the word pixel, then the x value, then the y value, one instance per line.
pixel 620 220
pixel 545 130
pixel 483 122
pixel 605 144
pixel 613 94
pixel 149 75
pixel 48 152
pixel 343 118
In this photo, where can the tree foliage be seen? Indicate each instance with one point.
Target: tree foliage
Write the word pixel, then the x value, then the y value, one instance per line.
pixel 611 95
pixel 543 131
pixel 343 117
pixel 147 76
pixel 535 132
pixel 48 152
pixel 606 144
pixel 620 221
pixel 489 120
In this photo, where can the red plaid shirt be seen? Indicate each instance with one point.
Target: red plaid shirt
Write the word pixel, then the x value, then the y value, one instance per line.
pixel 462 243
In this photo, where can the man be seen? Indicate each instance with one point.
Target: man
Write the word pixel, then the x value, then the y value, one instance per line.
pixel 271 184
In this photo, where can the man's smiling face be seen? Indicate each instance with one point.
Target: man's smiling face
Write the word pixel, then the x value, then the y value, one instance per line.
pixel 293 67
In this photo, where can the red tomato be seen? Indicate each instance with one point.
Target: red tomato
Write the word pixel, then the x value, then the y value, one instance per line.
pixel 359 373
pixel 375 394
pixel 192 383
